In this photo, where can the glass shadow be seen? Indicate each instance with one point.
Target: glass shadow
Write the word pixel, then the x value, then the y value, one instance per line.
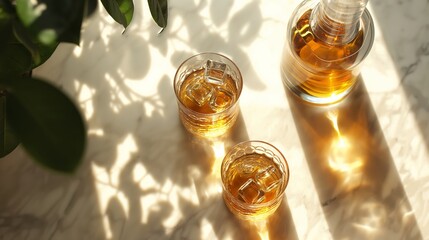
pixel 352 168
pixel 211 219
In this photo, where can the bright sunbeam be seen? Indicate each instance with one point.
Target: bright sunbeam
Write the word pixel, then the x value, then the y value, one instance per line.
pixel 219 154
pixel 344 157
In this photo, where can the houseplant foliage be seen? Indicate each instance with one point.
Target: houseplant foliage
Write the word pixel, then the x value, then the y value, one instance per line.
pixel 34 112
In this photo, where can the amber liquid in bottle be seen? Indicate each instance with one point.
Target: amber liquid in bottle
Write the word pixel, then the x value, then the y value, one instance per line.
pixel 325 67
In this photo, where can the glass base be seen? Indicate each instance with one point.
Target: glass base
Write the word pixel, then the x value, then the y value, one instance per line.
pixel 299 92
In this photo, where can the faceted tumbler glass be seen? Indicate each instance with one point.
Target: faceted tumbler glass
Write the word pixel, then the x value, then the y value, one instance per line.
pixel 207 88
pixel 254 178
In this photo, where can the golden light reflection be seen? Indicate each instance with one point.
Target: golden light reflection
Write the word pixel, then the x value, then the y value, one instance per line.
pixel 333 117
pixel 344 156
pixel 262 228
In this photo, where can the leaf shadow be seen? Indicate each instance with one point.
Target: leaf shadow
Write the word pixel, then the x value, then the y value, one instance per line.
pixel 145 175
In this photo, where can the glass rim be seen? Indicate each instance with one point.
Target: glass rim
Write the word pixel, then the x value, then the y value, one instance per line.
pixel 283 161
pixel 239 87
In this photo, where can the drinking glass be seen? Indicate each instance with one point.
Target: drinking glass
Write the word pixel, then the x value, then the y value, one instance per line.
pixel 207 88
pixel 254 178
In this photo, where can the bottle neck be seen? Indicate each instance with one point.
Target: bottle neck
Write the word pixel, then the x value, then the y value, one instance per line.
pixel 336 22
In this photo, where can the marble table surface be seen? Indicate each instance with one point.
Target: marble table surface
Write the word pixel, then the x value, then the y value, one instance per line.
pixel 144 177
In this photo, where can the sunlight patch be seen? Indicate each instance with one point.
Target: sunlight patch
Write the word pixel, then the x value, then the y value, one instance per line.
pixel 139 172
pixel 125 151
pixel 118 98
pixel 206 229
pixel 85 95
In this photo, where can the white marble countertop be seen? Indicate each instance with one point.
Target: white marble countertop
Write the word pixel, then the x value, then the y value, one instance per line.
pixel 143 177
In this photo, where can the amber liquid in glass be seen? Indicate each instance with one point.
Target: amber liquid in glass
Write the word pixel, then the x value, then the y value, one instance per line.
pixel 212 103
pixel 253 179
pixel 325 70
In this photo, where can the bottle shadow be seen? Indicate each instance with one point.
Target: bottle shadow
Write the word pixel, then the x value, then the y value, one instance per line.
pixel 352 169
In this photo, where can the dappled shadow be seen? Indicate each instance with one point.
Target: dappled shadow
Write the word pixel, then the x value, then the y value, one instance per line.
pixel 35 201
pixel 352 169
pixel 144 176
pixel 219 31
pixel 164 181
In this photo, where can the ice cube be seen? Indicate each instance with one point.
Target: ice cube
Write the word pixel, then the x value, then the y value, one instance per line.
pixel 268 178
pixel 248 168
pixel 215 72
pixel 199 92
pixel 221 99
pixel 250 192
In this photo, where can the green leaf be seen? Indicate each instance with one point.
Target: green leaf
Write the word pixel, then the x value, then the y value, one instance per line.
pixel 6 6
pixel 39 52
pixel 8 140
pixel 159 11
pixel 71 31
pixel 4 15
pixel 5 28
pixel 90 7
pixel 46 122
pixel 120 10
pixel 51 21
pixel 15 59
pixel 24 38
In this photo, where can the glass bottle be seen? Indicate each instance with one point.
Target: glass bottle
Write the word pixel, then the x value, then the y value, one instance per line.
pixel 326 42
